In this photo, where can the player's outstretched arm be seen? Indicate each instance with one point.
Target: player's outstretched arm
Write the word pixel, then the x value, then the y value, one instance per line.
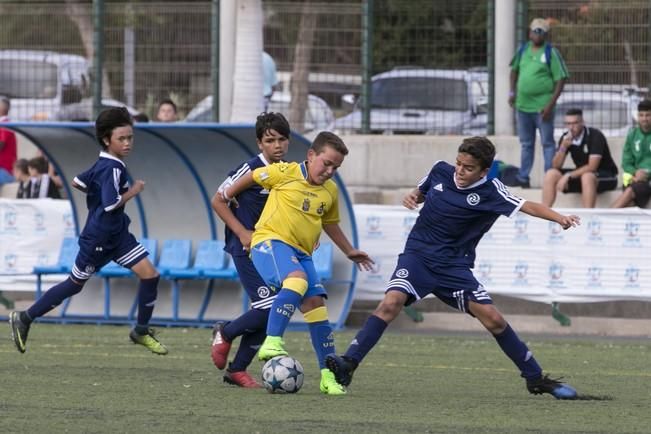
pixel 536 209
pixel 361 258
pixel 224 212
pixel 413 198
pixel 79 187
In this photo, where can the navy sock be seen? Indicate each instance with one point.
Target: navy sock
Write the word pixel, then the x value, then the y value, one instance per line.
pixel 53 297
pixel 147 292
pixel 366 338
pixel 280 312
pixel 323 340
pixel 249 345
pixel 517 351
pixel 248 322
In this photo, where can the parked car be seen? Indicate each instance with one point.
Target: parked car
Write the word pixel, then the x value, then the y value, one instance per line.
pixel 42 83
pixel 318 116
pixel 423 101
pixel 612 109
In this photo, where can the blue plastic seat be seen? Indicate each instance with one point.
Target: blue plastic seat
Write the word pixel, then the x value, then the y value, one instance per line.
pixel 67 254
pixel 174 257
pixel 322 258
pixel 174 261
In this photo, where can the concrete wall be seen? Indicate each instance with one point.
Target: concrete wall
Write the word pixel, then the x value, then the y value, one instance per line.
pixel 380 169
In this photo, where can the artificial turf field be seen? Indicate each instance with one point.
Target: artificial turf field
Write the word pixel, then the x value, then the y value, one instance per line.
pixel 81 378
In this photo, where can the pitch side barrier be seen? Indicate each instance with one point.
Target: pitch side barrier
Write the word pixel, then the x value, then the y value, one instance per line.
pixel 182 166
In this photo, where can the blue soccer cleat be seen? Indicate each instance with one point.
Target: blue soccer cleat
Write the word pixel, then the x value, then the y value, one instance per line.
pixel 552 386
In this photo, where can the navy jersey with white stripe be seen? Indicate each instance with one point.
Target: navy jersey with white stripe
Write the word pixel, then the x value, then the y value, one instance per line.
pixel 250 203
pixel 453 219
pixel 105 183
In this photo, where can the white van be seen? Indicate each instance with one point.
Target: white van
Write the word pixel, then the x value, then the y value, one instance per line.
pixel 41 84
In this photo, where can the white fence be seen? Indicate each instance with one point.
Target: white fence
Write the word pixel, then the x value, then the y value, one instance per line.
pixel 605 258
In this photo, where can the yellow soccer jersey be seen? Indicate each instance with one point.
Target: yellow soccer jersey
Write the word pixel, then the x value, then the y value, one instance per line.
pixel 296 210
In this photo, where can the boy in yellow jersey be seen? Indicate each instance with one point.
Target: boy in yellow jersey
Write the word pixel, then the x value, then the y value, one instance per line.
pixel 303 200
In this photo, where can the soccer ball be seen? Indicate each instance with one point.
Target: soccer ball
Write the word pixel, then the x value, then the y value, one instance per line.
pixel 282 374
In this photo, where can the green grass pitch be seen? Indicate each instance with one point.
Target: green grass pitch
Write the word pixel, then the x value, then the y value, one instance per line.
pixel 80 378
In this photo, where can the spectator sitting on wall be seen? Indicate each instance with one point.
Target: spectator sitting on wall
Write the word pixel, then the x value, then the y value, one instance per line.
pixel 636 161
pixel 21 175
pixel 7 144
pixel 41 184
pixel 594 172
pixel 167 111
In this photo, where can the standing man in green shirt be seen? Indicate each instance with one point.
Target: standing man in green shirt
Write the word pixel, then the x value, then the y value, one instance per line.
pixel 636 161
pixel 538 74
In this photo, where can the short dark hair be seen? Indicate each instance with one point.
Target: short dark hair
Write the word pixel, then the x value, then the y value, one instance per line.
pixel 326 138
pixel 38 163
pixel 574 112
pixel 21 164
pixel 480 148
pixel 271 121
pixel 167 101
pixel 110 119
pixel 644 106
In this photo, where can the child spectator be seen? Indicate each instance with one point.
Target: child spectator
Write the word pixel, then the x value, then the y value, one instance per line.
pixel 21 175
pixel 41 184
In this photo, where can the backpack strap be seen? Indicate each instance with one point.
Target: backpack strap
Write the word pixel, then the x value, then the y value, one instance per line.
pixel 548 52
pixel 548 55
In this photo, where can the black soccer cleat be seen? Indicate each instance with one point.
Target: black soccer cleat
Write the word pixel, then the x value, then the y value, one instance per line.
pixel 554 387
pixel 343 367
pixel 19 331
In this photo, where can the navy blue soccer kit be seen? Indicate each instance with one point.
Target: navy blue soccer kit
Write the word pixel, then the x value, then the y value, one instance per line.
pixel 106 235
pixel 440 249
pixel 250 205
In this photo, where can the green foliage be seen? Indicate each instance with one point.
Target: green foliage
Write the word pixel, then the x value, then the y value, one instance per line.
pixel 443 34
pixel 78 378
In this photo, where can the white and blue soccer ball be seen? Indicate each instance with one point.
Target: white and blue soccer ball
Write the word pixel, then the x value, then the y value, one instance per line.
pixel 282 374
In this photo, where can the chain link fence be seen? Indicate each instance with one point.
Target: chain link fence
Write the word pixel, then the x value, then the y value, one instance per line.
pixel 419 65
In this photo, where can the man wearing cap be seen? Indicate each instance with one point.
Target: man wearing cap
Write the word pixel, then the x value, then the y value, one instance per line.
pixel 538 74
pixel 7 145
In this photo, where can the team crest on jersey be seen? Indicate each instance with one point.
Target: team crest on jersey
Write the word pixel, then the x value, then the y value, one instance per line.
pixel 263 292
pixel 306 204
pixel 321 208
pixel 402 273
pixel 89 269
pixel 473 199
pixel 294 259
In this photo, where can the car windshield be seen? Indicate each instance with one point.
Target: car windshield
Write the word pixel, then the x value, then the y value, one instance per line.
pixel 424 93
pixel 603 114
pixel 27 79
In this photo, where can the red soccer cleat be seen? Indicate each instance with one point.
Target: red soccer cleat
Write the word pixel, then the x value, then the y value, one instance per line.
pixel 241 379
pixel 220 346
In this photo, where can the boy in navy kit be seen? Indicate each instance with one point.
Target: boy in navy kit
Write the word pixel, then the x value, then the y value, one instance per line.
pixel 105 236
pixel 460 206
pixel 272 133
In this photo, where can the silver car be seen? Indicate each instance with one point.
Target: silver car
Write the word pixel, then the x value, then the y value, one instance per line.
pixel 423 101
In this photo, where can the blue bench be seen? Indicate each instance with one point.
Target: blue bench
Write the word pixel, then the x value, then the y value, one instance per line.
pixel 211 262
pixel 65 262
